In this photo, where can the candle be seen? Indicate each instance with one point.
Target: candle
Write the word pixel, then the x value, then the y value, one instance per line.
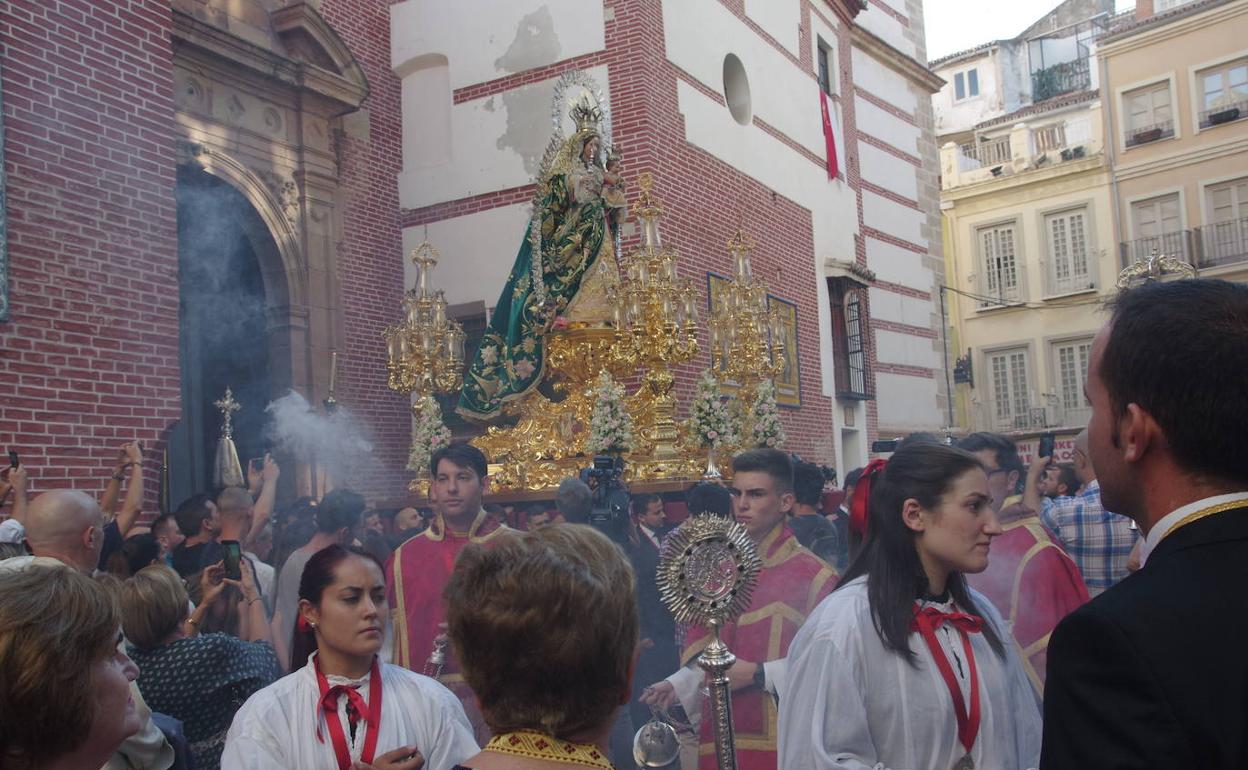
pixel 439 309
pixel 392 341
pixel 333 370
pixel 643 272
pixel 405 345
pixel 458 337
pixel 617 310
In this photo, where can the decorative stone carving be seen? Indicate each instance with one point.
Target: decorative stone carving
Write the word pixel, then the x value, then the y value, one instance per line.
pixel 284 191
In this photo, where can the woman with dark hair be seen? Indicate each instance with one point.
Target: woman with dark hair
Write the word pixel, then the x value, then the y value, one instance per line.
pixel 331 714
pixel 904 665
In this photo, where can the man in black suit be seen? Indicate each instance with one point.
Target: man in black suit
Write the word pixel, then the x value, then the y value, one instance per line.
pixel 1153 672
pixel 659 655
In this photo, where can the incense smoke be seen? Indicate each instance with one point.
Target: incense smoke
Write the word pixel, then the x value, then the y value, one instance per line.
pixel 335 443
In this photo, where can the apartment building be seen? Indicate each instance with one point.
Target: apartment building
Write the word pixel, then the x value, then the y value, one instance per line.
pixel 1027 213
pixel 1176 77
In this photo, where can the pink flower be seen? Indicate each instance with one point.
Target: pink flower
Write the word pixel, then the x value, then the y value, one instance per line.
pixel 712 434
pixel 524 368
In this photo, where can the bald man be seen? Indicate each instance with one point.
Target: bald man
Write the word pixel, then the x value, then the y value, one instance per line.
pixel 1100 542
pixel 68 527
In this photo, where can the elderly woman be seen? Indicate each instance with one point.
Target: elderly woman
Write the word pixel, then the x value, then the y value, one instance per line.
pixel 64 684
pixel 201 679
pixel 550 698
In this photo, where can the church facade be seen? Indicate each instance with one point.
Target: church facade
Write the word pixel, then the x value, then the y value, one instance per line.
pixel 203 194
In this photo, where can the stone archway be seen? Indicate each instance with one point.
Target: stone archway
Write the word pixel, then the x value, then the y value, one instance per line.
pixel 262 116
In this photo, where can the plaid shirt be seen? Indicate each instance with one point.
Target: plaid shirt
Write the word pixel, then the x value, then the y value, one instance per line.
pixel 1100 542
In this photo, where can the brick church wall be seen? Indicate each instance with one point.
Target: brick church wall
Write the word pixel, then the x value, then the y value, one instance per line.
pixel 89 356
pixel 370 255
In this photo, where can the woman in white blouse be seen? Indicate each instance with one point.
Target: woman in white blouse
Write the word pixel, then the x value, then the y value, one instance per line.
pixel 332 714
pixel 904 666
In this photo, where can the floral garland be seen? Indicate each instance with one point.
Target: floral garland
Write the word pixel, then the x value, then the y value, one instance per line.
pixel 709 417
pixel 429 434
pixel 610 425
pixel 764 418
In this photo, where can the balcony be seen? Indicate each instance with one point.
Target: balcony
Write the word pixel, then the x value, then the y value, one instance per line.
pixel 1224 243
pixel 976 155
pixel 1134 137
pixel 1059 79
pixel 1225 113
pixel 1024 148
pixel 1044 412
pixel 1212 245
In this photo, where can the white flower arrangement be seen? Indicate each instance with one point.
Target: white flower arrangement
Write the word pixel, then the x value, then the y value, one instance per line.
pixel 610 425
pixel 764 418
pixel 429 434
pixel 709 417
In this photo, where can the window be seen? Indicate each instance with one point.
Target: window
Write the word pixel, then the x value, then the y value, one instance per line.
pixel 825 73
pixel 1148 114
pixel 848 339
pixel 1224 93
pixel 1072 373
pixel 737 90
pixel 1000 263
pixel 1226 234
pixel 966 85
pixel 1157 225
pixel 1008 377
pixel 1165 5
pixel 1068 252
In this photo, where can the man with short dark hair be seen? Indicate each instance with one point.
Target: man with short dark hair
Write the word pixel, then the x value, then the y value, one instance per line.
pixel 337 519
pixel 811 529
pixel 791 583
pixel 660 655
pixel 1151 673
pixel 419 569
pixel 1031 581
pixel 200 521
pixel 165 530
pixel 1098 540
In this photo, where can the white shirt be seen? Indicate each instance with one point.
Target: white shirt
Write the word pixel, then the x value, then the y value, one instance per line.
pixel 852 704
pixel 277 726
pixel 1170 520
pixel 266 576
pixel 12 531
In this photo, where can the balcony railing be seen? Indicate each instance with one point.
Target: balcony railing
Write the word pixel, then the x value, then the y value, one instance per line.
pixel 1212 245
pixel 1224 114
pixel 1151 133
pixel 1224 243
pixel 1059 79
pixel 1030 412
pixel 994 152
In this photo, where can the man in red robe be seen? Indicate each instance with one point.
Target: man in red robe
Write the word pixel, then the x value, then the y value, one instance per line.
pixel 420 568
pixel 1030 579
pixel 791 583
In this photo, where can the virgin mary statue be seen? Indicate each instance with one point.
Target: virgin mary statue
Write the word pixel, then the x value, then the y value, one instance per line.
pixel 563 272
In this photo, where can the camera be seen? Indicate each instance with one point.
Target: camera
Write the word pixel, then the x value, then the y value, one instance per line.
pixel 608 511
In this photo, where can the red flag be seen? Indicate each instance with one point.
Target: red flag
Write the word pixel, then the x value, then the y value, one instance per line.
pixel 828 138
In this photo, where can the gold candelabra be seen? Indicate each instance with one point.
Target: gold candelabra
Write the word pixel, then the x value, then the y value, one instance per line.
pixel 426 348
pixel 746 336
pixel 660 310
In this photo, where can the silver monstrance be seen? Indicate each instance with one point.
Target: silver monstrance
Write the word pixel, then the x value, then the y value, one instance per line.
pixel 706 572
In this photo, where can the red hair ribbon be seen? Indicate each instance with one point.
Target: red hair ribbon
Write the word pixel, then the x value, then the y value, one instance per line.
pixel 302 624
pixel 862 497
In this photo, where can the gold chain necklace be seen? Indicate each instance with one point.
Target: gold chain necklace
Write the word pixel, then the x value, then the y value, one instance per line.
pixel 526 743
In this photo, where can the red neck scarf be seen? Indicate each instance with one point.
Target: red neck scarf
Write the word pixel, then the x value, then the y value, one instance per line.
pixel 357 710
pixel 926 621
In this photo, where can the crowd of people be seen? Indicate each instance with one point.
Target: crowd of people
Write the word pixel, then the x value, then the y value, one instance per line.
pixel 950 607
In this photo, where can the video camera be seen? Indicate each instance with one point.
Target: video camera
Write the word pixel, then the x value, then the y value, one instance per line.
pixel 609 507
